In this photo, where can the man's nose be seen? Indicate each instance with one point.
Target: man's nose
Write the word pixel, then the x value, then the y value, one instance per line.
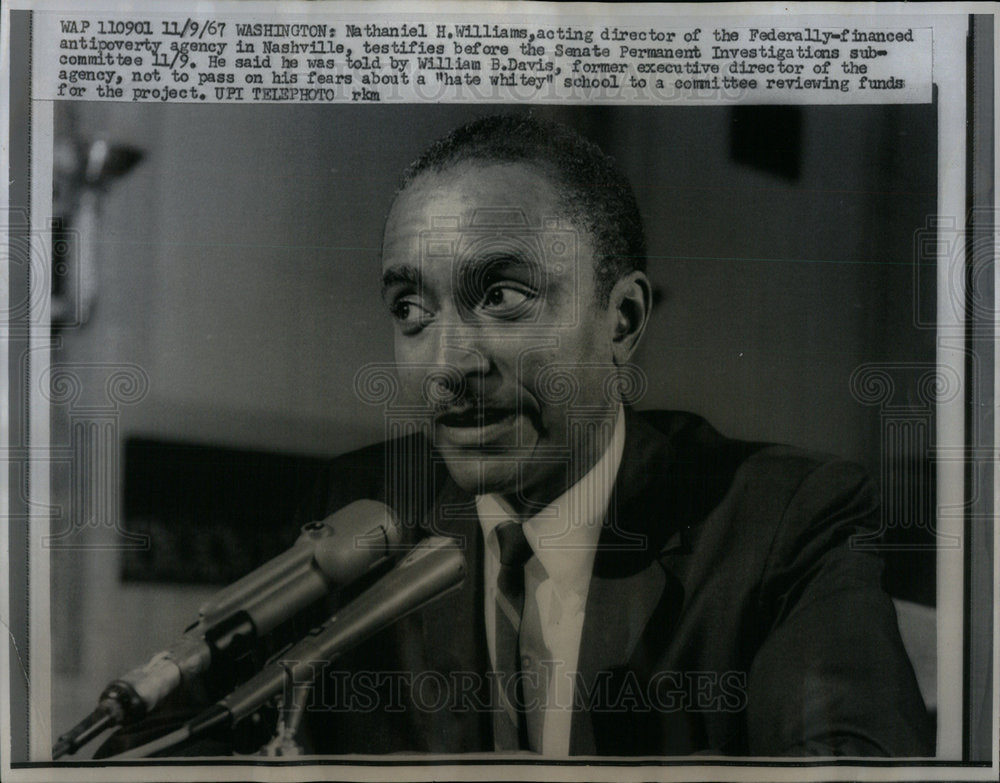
pixel 460 366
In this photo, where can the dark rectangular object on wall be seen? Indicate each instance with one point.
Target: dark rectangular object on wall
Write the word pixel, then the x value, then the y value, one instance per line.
pixel 212 514
pixel 768 138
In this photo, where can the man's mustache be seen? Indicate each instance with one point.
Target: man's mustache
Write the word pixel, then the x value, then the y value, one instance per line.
pixel 449 392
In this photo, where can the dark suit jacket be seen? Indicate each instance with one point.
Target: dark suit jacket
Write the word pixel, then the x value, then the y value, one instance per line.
pixel 727 613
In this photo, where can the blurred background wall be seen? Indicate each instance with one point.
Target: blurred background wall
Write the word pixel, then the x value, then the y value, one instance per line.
pixel 237 266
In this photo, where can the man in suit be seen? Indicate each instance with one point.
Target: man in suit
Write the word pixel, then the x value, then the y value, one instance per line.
pixel 638 584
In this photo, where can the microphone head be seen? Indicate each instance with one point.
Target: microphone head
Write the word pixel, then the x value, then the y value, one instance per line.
pixel 352 540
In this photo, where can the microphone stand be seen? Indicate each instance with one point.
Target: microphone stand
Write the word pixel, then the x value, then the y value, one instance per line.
pixel 433 568
pixel 347 545
pixel 293 706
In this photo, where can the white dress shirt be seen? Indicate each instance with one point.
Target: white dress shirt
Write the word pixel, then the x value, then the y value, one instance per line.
pixel 563 537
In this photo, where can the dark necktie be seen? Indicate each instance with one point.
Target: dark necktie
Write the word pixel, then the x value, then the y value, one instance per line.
pixel 509 725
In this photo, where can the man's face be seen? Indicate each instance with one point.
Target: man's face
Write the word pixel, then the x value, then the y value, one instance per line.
pixel 498 327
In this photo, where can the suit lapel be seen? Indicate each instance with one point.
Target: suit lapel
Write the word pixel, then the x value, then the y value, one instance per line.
pixel 618 610
pixel 629 586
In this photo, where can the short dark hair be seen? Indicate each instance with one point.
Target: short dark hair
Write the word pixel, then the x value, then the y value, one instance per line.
pixel 596 195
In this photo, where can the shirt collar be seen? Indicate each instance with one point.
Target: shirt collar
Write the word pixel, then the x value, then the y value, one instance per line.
pixel 564 534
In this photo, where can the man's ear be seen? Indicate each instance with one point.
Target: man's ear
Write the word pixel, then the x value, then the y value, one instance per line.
pixel 629 304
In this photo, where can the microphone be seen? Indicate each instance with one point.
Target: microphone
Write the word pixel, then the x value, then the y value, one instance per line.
pixel 434 567
pixel 327 555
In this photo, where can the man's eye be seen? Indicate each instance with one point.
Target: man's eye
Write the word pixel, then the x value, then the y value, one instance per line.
pixel 409 314
pixel 505 300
